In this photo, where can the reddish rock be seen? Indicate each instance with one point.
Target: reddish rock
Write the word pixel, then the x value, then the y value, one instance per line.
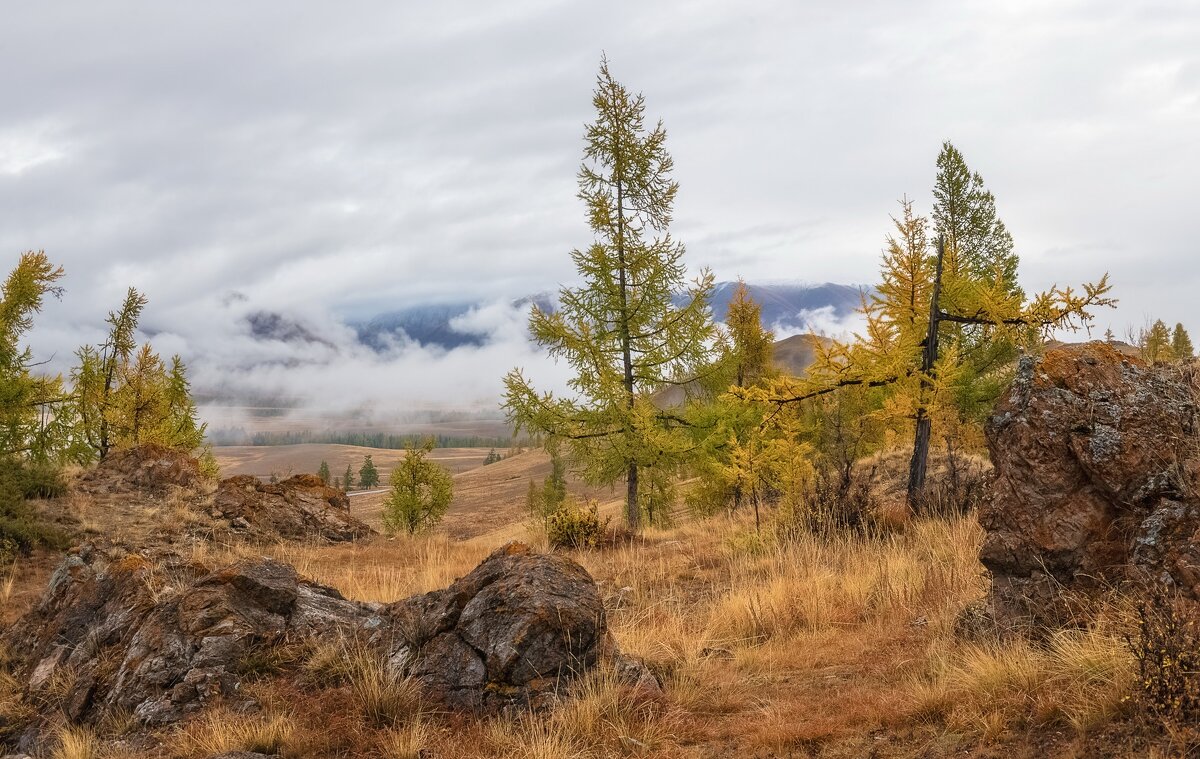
pixel 148 467
pixel 1091 450
pixel 299 508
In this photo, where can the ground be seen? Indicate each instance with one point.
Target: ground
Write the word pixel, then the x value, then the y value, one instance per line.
pixel 836 645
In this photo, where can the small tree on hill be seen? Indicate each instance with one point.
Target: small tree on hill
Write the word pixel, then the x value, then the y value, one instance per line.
pixel 1156 343
pixel 323 471
pixel 1181 343
pixel 348 478
pixel 97 376
pixel 420 494
pixel 491 458
pixel 368 476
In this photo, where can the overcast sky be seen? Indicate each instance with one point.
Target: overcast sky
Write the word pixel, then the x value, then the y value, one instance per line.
pixel 334 160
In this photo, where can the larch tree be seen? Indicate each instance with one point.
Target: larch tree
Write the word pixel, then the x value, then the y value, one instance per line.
pixel 421 492
pixel 180 427
pixel 1156 343
pixel 940 324
pixel 634 326
pixel 731 435
pixel 348 478
pixel 30 417
pixel 97 376
pixel 1181 343
pixel 323 472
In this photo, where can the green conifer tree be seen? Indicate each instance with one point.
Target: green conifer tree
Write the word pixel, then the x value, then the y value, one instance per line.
pixel 323 471
pixel 1181 343
pixel 622 332
pixel 368 476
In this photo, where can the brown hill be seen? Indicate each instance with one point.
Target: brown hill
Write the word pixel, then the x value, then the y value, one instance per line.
pixel 793 355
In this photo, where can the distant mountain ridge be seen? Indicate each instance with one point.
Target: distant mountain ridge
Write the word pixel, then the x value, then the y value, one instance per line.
pixel 789 307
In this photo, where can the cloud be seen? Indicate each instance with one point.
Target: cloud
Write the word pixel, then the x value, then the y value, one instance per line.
pixel 333 162
pixel 824 321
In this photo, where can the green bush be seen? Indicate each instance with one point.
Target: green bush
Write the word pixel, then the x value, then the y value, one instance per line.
pixel 575 526
pixel 20 528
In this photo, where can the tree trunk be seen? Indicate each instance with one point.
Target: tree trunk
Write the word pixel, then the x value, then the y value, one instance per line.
pixel 920 455
pixel 632 511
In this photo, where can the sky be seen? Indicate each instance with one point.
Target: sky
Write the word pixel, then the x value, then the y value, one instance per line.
pixel 331 161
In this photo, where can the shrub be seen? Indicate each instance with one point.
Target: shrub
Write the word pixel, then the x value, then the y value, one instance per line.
pixel 1167 649
pixel 575 526
pixel 959 490
pixel 209 468
pixel 20 528
pixel 834 500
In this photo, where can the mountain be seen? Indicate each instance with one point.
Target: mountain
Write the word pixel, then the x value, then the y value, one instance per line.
pixel 793 307
pixel 788 307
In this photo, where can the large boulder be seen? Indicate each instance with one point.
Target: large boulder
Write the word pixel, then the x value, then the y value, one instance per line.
pixel 1095 463
pixel 510 633
pixel 160 639
pixel 298 508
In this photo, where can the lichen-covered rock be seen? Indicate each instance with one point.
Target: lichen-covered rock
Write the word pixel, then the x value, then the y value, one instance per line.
pixel 299 508
pixel 161 639
pixel 510 633
pixel 1094 455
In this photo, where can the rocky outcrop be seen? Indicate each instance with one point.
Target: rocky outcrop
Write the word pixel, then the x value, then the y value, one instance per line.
pixel 299 508
pixel 149 467
pixel 1095 481
pixel 511 632
pixel 160 639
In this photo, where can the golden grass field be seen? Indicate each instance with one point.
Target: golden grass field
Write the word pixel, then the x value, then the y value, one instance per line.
pixel 836 646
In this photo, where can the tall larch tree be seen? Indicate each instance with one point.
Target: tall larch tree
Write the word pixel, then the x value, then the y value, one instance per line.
pixel 974 314
pixel 623 331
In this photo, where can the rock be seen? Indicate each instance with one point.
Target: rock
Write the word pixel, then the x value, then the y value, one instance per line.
pixel 1095 462
pixel 511 633
pixel 110 634
pixel 101 621
pixel 299 508
pixel 148 467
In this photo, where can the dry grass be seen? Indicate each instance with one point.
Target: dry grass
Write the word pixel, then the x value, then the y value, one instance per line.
pixel 405 742
pixel 76 743
pixel 1077 678
pixel 813 645
pixel 220 731
pixel 7 583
